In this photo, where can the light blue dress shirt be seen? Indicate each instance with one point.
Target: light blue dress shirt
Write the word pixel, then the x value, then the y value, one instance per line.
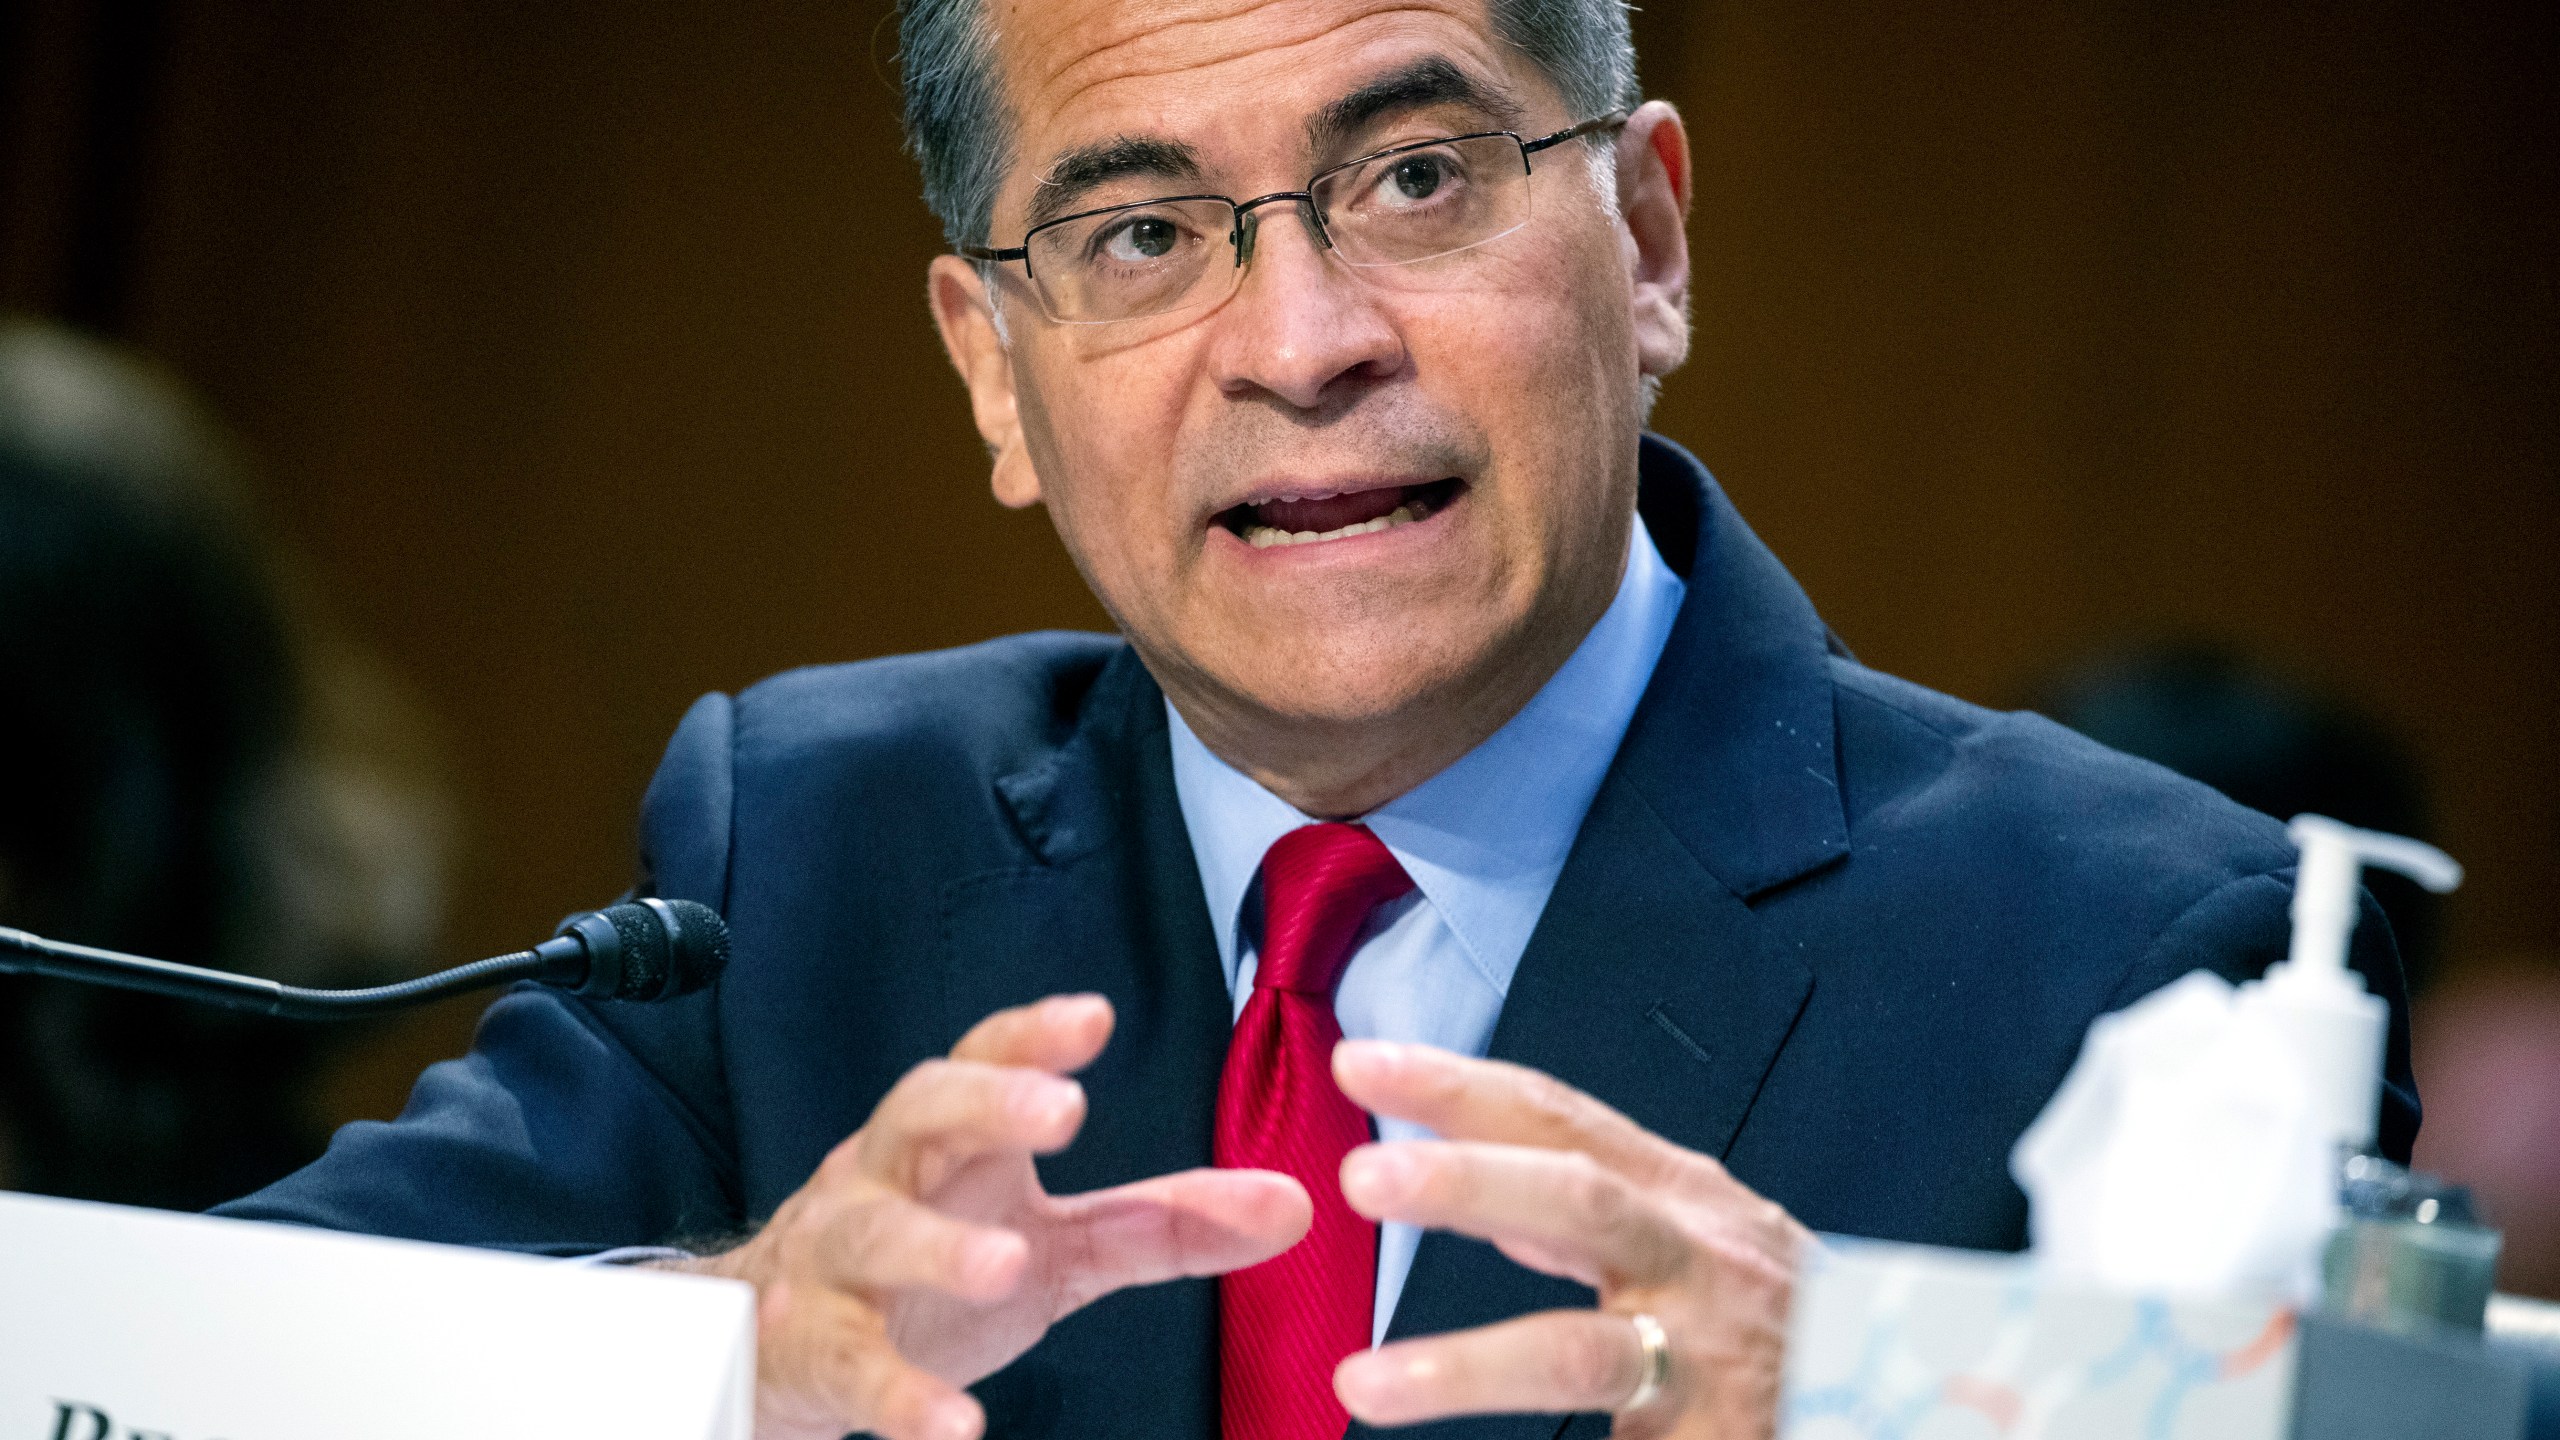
pixel 1483 840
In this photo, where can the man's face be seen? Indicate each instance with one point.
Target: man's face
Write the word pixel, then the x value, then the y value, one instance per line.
pixel 1484 405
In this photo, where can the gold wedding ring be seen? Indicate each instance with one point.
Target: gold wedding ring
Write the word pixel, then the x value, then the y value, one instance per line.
pixel 1657 1362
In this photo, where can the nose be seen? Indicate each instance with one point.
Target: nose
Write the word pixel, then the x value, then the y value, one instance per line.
pixel 1301 327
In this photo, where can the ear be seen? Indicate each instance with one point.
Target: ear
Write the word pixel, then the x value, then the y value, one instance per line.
pixel 964 310
pixel 1653 203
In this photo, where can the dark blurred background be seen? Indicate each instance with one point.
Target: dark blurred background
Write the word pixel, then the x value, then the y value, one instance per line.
pixel 580 359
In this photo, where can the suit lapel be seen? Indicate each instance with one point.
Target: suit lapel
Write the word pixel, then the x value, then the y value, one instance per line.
pixel 1108 900
pixel 1649 981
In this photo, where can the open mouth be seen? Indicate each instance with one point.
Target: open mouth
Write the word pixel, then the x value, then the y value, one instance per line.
pixel 1306 519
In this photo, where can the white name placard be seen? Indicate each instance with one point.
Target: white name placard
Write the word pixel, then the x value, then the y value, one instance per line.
pixel 121 1324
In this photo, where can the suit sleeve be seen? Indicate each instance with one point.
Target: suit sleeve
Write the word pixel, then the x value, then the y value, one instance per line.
pixel 571 1127
pixel 2239 929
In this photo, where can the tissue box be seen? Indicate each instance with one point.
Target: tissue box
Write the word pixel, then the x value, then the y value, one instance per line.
pixel 1918 1343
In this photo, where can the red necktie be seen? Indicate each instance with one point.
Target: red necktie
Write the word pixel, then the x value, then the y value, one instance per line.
pixel 1285 1323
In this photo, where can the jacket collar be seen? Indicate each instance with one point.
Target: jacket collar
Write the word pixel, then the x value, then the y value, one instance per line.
pixel 1735 744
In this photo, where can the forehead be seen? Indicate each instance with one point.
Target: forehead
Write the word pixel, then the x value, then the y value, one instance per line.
pixel 1080 70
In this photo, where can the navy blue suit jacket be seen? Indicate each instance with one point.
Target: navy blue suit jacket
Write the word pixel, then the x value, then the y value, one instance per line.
pixel 1839 931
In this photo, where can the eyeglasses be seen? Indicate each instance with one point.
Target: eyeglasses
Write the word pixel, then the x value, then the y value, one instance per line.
pixel 1397 207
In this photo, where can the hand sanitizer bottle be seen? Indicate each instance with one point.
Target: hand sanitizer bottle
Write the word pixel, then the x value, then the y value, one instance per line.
pixel 2312 996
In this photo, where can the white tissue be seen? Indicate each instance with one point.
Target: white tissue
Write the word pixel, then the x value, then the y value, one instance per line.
pixel 2184 1153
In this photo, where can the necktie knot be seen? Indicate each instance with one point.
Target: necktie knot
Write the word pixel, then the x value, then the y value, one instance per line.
pixel 1319 885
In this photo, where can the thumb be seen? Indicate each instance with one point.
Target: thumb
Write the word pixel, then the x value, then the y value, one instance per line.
pixel 1195 1222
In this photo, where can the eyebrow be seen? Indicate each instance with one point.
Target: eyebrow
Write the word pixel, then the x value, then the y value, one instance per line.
pixel 1428 82
pixel 1422 85
pixel 1079 172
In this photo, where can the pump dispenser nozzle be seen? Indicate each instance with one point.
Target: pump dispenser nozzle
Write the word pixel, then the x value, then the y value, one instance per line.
pixel 2312 994
pixel 2333 861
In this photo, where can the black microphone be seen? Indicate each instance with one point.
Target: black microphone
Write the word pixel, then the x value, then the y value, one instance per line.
pixel 638 950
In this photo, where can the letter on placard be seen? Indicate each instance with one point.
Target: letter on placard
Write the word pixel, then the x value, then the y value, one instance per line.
pixel 65 1411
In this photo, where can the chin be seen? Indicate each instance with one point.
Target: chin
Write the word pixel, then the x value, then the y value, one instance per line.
pixel 1345 687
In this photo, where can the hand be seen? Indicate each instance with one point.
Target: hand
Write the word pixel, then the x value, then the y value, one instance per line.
pixel 924 1255
pixel 1564 1184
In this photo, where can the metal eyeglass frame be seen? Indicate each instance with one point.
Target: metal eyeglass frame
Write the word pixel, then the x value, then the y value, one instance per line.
pixel 1240 242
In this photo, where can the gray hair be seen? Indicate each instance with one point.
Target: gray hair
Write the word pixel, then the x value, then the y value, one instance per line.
pixel 961 131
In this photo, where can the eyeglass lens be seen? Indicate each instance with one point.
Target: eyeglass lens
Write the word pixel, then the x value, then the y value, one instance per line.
pixel 1398 208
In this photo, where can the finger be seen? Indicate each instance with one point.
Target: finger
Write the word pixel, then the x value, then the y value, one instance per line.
pixel 887 1242
pixel 960 1108
pixel 1558 1211
pixel 1196 1222
pixel 825 1366
pixel 1061 1035
pixel 1556 1362
pixel 1468 1099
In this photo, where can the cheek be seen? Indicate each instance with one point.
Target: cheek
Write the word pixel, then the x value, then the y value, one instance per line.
pixel 1547 370
pixel 1101 425
pixel 1105 407
pixel 1547 307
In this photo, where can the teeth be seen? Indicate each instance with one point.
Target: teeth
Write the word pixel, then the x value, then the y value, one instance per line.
pixel 1263 537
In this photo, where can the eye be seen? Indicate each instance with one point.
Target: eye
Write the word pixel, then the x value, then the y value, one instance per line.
pixel 1414 181
pixel 1139 239
pixel 1417 177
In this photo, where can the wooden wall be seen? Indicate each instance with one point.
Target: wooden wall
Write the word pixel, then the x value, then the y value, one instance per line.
pixel 585 348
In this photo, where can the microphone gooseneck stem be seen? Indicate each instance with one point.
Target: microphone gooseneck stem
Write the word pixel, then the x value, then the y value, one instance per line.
pixel 294 1003
pixel 31 954
pixel 638 950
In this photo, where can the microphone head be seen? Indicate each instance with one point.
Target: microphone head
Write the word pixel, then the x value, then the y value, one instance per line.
pixel 651 949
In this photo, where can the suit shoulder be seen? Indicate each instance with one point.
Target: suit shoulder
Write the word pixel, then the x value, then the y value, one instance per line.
pixel 919 735
pixel 1918 762
pixel 989 705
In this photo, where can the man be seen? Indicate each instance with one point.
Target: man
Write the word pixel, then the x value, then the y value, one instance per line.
pixel 1325 331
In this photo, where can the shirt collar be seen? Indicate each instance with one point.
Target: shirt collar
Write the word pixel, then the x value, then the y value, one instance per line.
pixel 1485 839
